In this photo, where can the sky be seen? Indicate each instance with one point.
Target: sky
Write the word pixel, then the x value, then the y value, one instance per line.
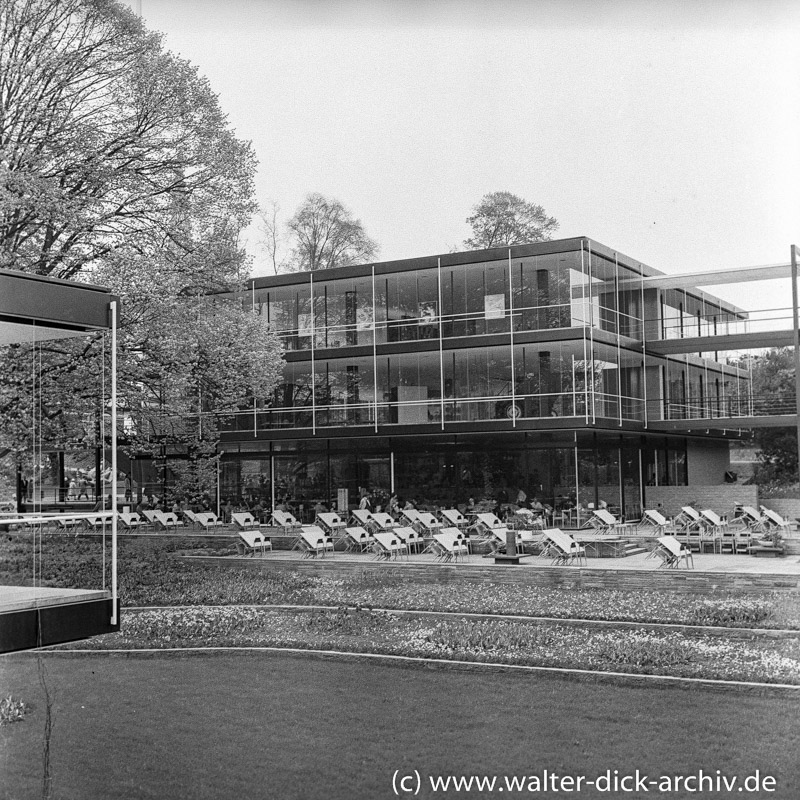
pixel 668 131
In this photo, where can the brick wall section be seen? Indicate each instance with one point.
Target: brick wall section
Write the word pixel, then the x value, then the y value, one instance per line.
pixel 685 581
pixel 722 499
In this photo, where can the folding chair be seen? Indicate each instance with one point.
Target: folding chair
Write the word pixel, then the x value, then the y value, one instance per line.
pixel 331 522
pixel 672 552
pixel 208 519
pixel 408 536
pixel 357 539
pixel 245 521
pixel 453 517
pixel 449 545
pixel 388 546
pixel 131 520
pixel 562 548
pixel 312 541
pixel 656 519
pixel 603 521
pixel 426 523
pixel 285 520
pixel 774 520
pixel 252 540
pixel 166 520
pixel 362 517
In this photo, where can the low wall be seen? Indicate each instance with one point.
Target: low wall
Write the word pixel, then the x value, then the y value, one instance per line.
pixel 686 581
pixel 722 499
pixel 788 509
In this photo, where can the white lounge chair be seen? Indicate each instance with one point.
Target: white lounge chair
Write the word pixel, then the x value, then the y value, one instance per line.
pixel 285 520
pixel 166 520
pixel 562 548
pixel 312 541
pixel 449 545
pixel 149 516
pixel 362 518
pixel 380 520
pixel 208 520
pixel 252 540
pixel 453 517
pixel 656 519
pixel 408 516
pixel 131 520
pixel 409 536
pixel 245 521
pixel 387 546
pixel 331 522
pixel 672 552
pixel 688 520
pixel 751 518
pixel 358 539
pixel 426 523
pixel 191 517
pixel 774 520
pixel 603 521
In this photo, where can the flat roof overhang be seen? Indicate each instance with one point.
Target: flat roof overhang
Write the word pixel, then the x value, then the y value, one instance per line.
pixel 33 308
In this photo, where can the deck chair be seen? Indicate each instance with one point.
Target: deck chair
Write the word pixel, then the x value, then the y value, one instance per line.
pixel 603 521
pixel 208 520
pixel 312 541
pixel 149 517
pixel 131 521
pixel 245 521
pixel 409 516
pixel 382 521
pixel 426 523
pixel 252 540
pixel 656 519
pixel 562 548
pixel 362 517
pixel 751 519
pixel 411 538
pixel 452 516
pixel 388 546
pixel 166 520
pixel 192 518
pixel 672 552
pixel 97 524
pixel 449 545
pixel 773 519
pixel 285 520
pixel 357 539
pixel 331 522
pixel 689 519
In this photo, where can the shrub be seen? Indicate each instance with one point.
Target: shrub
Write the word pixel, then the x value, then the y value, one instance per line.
pixel 490 636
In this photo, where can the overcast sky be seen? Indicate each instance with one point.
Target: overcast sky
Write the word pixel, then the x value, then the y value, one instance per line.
pixel 669 131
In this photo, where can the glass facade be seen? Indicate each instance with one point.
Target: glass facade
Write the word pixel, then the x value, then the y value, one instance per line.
pixel 446 371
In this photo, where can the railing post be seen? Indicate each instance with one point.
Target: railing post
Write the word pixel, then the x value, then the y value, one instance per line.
pixel 796 325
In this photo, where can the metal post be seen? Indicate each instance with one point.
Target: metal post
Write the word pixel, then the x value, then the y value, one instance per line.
pixel 796 325
pixel 511 330
pixel 441 342
pixel 114 588
pixel 313 364
pixel 374 354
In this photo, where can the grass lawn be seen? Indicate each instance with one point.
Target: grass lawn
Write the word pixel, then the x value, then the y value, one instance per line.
pixel 263 726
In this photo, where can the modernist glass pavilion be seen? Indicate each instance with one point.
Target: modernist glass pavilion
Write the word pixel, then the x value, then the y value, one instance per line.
pixel 478 373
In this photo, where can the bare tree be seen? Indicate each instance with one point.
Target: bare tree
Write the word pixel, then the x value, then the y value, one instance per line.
pixel 327 235
pixel 273 241
pixel 502 219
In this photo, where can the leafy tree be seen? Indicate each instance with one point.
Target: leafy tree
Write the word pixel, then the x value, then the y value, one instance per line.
pixel 327 235
pixel 774 388
pixel 501 219
pixel 117 166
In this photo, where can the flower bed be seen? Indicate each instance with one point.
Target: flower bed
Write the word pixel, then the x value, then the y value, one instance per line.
pixel 150 576
pixel 492 641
